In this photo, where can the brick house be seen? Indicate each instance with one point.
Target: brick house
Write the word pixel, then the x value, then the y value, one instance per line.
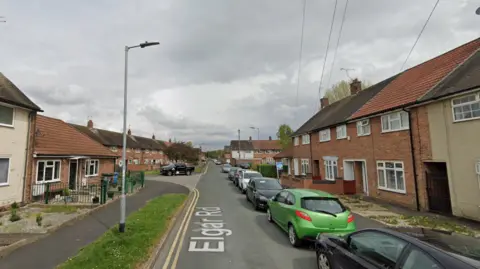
pixel 65 155
pixel 227 154
pixel 378 145
pixel 17 120
pixel 142 153
pixel 254 151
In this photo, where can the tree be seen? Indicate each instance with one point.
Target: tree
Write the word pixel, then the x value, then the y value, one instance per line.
pixel 283 134
pixel 341 90
pixel 181 151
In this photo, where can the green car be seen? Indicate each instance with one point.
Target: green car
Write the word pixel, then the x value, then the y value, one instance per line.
pixel 305 213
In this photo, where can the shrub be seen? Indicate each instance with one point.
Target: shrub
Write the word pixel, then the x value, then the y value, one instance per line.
pixel 39 219
pixel 14 216
pixel 14 205
pixel 267 170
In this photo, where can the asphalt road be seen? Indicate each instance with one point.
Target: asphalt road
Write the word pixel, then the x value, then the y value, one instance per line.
pixel 225 232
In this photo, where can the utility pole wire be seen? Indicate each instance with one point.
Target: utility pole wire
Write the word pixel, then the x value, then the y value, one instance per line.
pixel 326 52
pixel 301 51
pixel 338 42
pixel 419 35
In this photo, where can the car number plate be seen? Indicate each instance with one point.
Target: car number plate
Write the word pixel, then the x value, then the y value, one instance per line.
pixel 178 172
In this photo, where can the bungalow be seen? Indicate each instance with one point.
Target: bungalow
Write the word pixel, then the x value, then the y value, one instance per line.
pixel 142 153
pixel 17 120
pixel 382 142
pixel 66 157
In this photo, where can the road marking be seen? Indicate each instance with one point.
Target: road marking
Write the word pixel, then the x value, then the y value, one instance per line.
pixel 187 216
pixel 179 249
pixel 212 229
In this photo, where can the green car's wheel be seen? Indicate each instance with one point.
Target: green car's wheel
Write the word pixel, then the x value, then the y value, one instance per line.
pixel 292 236
pixel 269 215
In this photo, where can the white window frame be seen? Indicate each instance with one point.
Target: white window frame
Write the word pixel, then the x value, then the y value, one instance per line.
pixel 363 127
pixel 114 149
pixel 465 104
pixel 295 141
pixel 8 170
pixel 53 171
pixel 147 151
pixel 305 166
pixel 342 129
pixel 135 161
pixel 138 151
pixel 331 169
pixel 13 115
pixel 392 117
pixel 383 169
pixel 295 167
pixel 146 161
pixel 96 167
pixel 325 133
pixel 305 139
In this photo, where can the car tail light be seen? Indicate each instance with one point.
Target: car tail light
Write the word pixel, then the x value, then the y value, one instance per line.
pixel 303 215
pixel 350 218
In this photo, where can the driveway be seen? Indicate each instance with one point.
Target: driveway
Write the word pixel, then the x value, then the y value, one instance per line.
pixel 225 232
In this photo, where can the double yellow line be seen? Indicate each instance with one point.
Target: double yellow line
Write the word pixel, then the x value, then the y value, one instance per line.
pixel 180 236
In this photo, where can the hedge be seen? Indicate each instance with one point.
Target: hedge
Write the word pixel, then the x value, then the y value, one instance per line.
pixel 267 170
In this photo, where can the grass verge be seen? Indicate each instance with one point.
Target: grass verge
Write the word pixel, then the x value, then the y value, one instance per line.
pixel 152 172
pixel 143 230
pixel 199 168
pixel 60 209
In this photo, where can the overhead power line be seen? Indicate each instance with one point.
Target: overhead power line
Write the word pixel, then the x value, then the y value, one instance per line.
pixel 338 42
pixel 301 51
pixel 326 51
pixel 419 35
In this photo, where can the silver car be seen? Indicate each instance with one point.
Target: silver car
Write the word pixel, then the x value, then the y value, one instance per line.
pixel 244 178
pixel 226 168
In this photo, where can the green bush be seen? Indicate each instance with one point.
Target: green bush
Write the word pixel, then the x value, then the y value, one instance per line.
pixel 267 170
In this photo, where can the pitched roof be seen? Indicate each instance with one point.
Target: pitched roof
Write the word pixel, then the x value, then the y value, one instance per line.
pixel 244 145
pixel 266 144
pixel 11 94
pixel 341 110
pixel 286 153
pixel 55 137
pixel 417 81
pixel 464 78
pixel 148 143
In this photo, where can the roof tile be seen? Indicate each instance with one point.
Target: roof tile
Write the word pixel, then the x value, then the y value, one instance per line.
pixel 9 93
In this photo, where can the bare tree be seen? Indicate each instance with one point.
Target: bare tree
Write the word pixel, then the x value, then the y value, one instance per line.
pixel 341 90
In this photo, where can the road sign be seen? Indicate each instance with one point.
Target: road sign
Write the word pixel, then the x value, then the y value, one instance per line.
pixel 279 165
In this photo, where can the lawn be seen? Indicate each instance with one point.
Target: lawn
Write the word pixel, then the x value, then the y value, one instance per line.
pixel 144 228
pixel 152 172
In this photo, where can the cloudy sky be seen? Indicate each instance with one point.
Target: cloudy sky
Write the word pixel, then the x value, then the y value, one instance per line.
pixel 221 66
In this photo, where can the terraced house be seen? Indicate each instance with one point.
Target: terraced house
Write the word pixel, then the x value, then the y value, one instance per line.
pixel 142 153
pixel 254 151
pixel 17 125
pixel 401 139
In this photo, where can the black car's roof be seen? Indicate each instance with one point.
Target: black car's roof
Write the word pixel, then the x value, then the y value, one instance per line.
pixel 437 243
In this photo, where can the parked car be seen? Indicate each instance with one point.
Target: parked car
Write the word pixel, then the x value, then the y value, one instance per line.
pixel 244 177
pixel 259 190
pixel 405 248
pixel 177 169
pixel 231 173
pixel 226 168
pixel 217 162
pixel 304 213
pixel 244 165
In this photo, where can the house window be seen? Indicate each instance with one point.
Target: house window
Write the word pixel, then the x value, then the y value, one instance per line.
pixel 147 151
pixel 391 176
pixel 295 166
pixel 145 161
pixel 295 141
pixel 130 161
pixel 305 166
pixel 324 135
pixel 48 171
pixel 161 152
pixel 466 107
pixel 91 168
pixel 395 121
pixel 114 149
pixel 342 131
pixel 305 139
pixel 135 161
pixel 363 127
pixel 154 151
pixel 6 115
pixel 138 150
pixel 331 169
pixel 4 171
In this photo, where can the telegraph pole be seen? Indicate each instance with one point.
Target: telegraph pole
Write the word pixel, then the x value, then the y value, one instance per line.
pixel 238 144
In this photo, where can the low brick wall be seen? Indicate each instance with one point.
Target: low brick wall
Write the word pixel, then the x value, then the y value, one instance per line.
pixel 336 187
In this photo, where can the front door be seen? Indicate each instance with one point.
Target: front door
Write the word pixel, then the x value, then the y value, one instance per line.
pixel 72 179
pixel 438 190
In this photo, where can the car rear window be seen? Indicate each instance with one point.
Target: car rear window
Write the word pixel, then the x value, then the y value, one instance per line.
pixel 319 204
pixel 252 175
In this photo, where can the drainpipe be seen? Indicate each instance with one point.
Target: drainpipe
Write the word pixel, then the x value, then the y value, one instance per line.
pixel 26 155
pixel 412 149
pixel 311 155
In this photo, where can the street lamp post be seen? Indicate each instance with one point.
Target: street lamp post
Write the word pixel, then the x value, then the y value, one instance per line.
pixel 258 131
pixel 121 227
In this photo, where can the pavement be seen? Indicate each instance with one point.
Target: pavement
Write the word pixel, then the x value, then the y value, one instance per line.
pixel 54 249
pixel 223 231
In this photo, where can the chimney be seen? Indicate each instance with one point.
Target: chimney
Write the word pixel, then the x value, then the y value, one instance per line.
pixel 269 138
pixel 153 136
pixel 129 132
pixel 169 140
pixel 355 86
pixel 250 138
pixel 90 124
pixel 323 102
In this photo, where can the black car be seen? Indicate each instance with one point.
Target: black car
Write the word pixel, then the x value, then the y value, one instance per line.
pixel 244 166
pixel 398 248
pixel 259 190
pixel 177 169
